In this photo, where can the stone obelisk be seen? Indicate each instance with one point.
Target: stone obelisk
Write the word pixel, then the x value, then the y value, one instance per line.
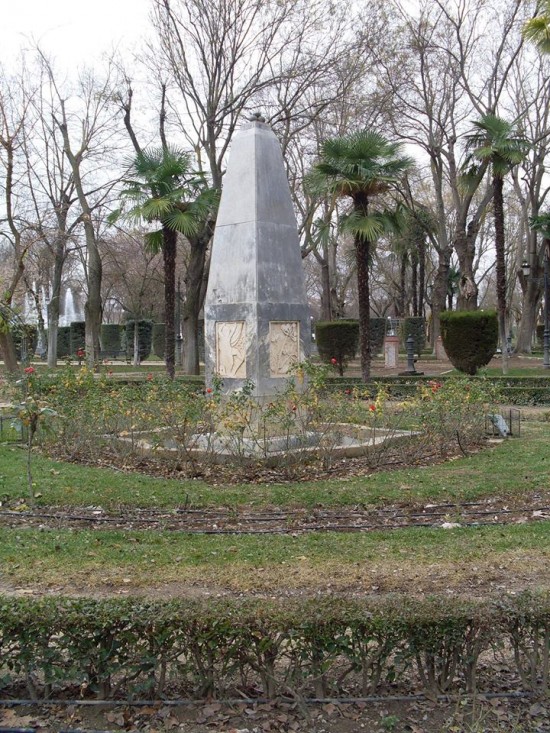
pixel 256 314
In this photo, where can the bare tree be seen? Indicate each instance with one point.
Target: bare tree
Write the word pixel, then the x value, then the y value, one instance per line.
pixel 88 134
pixel 132 277
pixel 226 58
pixel 529 91
pixel 455 61
pixel 15 100
pixel 55 219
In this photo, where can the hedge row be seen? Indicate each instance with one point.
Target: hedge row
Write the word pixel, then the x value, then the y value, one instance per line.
pixel 315 648
pixel 512 390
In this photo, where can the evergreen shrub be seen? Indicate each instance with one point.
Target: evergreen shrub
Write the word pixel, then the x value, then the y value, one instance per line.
pixel 415 327
pixel 159 336
pixel 377 334
pixel 77 331
pixel 145 337
pixel 111 337
pixel 337 340
pixel 304 648
pixel 63 341
pixel 470 338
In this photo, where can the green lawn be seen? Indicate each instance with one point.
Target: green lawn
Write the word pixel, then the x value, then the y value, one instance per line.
pixel 147 558
pixel 516 466
pixel 415 560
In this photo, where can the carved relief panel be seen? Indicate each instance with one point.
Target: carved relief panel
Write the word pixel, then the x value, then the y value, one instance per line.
pixel 231 349
pixel 284 346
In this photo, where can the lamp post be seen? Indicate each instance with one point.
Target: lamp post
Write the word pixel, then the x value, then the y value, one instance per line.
pixel 526 268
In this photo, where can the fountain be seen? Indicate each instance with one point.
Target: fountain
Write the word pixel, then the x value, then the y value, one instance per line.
pixel 70 312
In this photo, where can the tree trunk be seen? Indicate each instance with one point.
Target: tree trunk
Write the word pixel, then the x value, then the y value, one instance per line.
pixel 421 276
pixel 190 330
pixel 40 327
pixel 467 288
pixel 498 209
pixel 9 356
pixel 439 296
pixel 326 294
pixel 93 310
pixel 169 259
pixel 531 299
pixel 194 297
pixel 53 326
pixel 400 305
pixel 55 303
pixel 362 252
pixel 137 359
pixel 414 282
pixel 59 263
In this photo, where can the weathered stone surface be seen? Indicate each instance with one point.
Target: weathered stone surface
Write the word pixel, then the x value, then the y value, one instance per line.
pixel 256 301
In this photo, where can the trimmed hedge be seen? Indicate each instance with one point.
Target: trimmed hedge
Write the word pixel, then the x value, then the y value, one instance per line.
pixel 145 336
pixel 337 340
pixel 415 327
pixel 512 390
pixel 77 336
pixel 470 338
pixel 63 341
pixel 111 339
pixel 159 340
pixel 322 647
pixel 377 334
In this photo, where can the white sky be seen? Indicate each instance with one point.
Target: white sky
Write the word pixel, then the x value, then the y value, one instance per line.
pixel 73 33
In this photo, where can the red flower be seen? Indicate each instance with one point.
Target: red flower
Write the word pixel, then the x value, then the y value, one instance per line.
pixel 334 361
pixel 110 372
pixel 80 353
pixel 347 391
pixel 29 370
pixel 372 408
pixel 209 390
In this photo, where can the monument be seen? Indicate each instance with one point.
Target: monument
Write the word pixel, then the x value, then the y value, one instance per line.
pixel 256 314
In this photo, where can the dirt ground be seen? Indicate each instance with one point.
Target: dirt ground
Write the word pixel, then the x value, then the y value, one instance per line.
pixel 415 715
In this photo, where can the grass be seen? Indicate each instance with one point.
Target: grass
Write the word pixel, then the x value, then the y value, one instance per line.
pixel 515 467
pixel 484 559
pixel 137 558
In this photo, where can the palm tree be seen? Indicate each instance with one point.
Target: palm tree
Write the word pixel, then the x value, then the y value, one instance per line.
pixel 499 143
pixel 537 30
pixel 165 189
pixel 361 166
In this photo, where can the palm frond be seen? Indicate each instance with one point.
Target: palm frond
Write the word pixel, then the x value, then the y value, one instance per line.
pixel 368 228
pixel 156 208
pixel 154 241
pixel 182 221
pixel 496 141
pixel 537 31
pixel 541 224
pixel 363 163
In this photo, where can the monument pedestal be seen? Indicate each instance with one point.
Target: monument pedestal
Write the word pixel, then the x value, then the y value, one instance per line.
pixel 391 352
pixel 257 323
pixel 440 353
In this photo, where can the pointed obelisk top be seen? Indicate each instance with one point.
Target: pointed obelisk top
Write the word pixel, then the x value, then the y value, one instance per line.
pixel 256 312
